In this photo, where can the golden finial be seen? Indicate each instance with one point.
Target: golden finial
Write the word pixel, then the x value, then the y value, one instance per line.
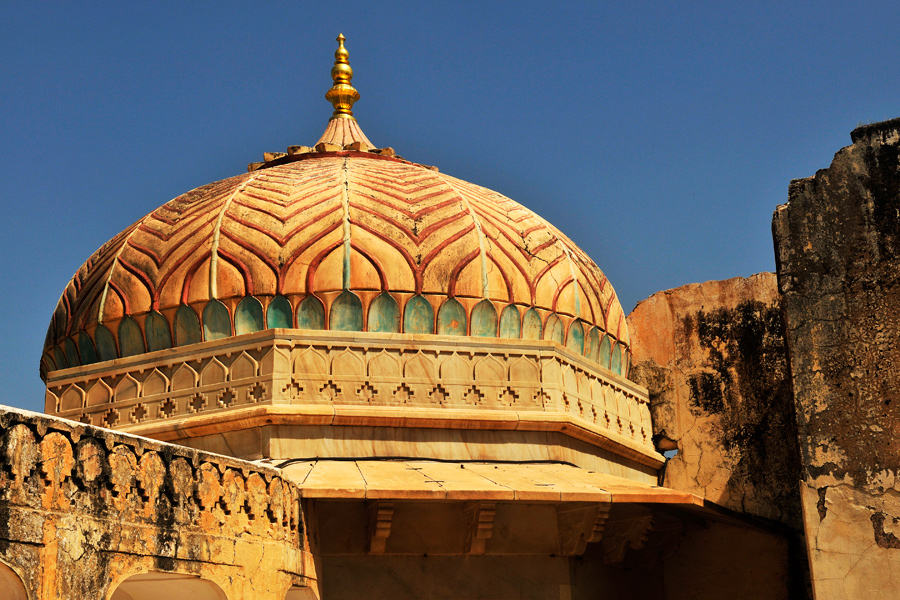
pixel 342 95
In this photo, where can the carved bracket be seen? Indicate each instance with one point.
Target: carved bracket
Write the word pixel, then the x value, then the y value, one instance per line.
pixel 480 520
pixel 580 524
pixel 379 518
pixel 631 532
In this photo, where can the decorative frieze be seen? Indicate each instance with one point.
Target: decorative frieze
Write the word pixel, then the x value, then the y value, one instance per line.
pixel 280 367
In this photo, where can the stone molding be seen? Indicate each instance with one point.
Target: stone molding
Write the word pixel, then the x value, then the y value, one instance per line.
pixel 91 506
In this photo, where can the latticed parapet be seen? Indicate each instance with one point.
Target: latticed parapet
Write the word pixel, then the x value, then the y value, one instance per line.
pixel 335 378
pixel 96 507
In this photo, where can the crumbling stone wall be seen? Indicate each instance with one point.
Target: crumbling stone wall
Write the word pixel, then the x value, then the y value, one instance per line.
pixel 83 508
pixel 837 244
pixel 712 356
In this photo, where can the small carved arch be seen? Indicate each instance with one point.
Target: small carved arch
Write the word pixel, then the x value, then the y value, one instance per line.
pixel 525 371
pixel 127 388
pixel 184 378
pixel 155 383
pixel 243 367
pixel 384 365
pixel 71 399
pixel 570 383
pixel 99 394
pixel 310 362
pixel 419 366
pixel 456 368
pixel 213 372
pixel 11 583
pixel 172 586
pixel 347 364
pixel 489 369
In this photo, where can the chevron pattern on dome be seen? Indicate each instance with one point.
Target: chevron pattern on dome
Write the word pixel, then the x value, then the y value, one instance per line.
pixel 325 235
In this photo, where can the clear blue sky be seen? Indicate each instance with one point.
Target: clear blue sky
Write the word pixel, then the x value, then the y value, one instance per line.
pixel 660 136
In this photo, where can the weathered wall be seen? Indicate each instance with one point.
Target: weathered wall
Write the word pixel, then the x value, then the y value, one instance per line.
pixel 82 509
pixel 712 356
pixel 837 245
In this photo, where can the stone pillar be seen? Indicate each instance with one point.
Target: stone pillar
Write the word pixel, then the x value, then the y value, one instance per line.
pixel 837 245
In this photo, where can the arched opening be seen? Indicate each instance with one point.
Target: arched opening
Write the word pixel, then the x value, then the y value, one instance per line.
pixel 11 586
pixel 171 586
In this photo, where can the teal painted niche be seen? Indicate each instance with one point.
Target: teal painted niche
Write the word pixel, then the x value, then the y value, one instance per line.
pixel 49 362
pixel 603 357
pixel 310 313
pixel 616 364
pixel 248 317
pixel 278 315
pixel 510 323
pixel 592 345
pixel 71 352
pixel 532 329
pixel 626 362
pixel 418 316
pixel 216 321
pixel 451 318
pixel 60 358
pixel 131 340
pixel 157 330
pixel 346 313
pixel 554 330
pixel 384 314
pixel 86 349
pixel 575 339
pixel 484 320
pixel 187 326
pixel 106 343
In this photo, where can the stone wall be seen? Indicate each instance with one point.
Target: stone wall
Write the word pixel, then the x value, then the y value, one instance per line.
pixel 837 244
pixel 83 509
pixel 712 356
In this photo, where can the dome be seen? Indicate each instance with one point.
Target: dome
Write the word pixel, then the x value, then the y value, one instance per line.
pixel 340 236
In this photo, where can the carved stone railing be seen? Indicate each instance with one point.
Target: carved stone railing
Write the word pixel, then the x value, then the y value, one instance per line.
pixel 537 380
pixel 94 506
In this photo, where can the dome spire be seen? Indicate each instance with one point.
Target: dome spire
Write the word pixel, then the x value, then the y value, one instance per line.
pixel 342 95
pixel 343 132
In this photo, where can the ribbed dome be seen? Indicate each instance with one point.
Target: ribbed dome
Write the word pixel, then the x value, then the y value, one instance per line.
pixel 342 237
pixel 315 243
